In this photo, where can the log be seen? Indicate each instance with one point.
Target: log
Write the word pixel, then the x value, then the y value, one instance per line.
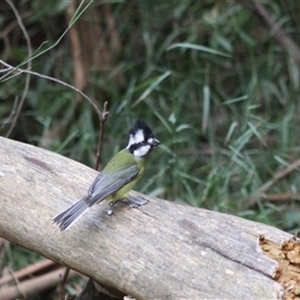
pixel 163 250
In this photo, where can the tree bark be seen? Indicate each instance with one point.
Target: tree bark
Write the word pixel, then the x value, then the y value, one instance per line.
pixel 162 250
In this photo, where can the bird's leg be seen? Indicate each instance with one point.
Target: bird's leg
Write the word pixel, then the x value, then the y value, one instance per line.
pixel 111 205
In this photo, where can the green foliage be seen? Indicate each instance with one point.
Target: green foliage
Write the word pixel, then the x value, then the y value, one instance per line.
pixel 214 84
pixel 19 257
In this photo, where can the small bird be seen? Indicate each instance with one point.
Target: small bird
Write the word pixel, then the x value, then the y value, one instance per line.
pixel 118 177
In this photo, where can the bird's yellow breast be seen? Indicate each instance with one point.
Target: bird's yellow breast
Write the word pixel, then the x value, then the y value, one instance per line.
pixel 124 158
pixel 124 191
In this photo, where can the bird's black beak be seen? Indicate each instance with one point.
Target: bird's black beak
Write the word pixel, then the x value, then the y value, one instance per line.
pixel 155 142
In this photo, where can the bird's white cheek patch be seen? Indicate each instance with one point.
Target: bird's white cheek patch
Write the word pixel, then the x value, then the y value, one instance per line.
pixel 141 151
pixel 138 137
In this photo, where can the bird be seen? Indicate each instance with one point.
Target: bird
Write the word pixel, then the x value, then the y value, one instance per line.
pixel 118 177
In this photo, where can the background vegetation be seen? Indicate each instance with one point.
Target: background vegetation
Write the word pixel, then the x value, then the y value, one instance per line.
pixel 218 81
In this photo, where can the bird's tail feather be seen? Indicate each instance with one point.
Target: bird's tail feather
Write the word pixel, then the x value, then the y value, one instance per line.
pixel 69 216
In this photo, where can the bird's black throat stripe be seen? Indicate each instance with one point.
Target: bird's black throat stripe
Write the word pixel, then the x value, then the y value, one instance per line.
pixel 134 147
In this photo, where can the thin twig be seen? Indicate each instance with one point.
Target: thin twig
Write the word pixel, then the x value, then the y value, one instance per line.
pixel 279 175
pixel 9 67
pixel 27 80
pixel 62 284
pixel 280 197
pixel 2 253
pixel 261 193
pixel 103 119
pixel 17 282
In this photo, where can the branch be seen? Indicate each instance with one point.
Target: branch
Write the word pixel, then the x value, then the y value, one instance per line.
pixel 162 250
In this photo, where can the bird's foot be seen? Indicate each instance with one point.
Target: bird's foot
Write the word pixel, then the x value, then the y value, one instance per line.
pixel 134 203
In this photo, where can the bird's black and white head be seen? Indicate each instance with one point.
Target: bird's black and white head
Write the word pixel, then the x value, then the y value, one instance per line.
pixel 141 139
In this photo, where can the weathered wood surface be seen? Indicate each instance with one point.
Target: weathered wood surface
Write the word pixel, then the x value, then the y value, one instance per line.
pixel 162 250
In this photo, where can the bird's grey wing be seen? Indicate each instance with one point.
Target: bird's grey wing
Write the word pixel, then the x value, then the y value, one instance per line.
pixel 106 184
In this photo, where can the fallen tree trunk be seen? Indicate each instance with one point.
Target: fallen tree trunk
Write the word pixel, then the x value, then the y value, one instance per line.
pixel 162 250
